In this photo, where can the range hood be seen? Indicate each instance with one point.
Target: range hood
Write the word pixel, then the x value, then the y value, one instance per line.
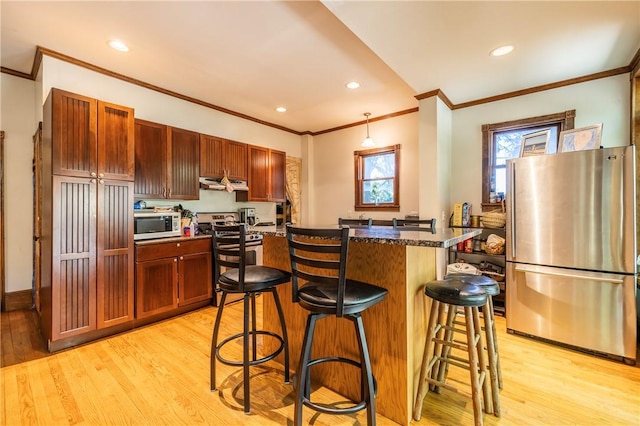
pixel 216 185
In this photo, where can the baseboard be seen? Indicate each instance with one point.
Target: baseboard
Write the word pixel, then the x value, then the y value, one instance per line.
pixel 17 300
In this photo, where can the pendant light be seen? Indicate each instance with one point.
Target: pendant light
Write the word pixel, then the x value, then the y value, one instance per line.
pixel 368 142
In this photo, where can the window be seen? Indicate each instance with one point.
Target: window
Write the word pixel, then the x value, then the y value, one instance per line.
pixel 501 141
pixel 377 179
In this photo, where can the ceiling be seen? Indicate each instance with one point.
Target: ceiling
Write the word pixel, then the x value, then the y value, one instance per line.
pixel 251 56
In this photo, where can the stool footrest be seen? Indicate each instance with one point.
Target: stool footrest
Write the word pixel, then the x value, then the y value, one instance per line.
pixel 253 362
pixel 360 405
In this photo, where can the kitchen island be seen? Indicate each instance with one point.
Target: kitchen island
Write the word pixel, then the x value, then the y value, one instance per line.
pixel 400 261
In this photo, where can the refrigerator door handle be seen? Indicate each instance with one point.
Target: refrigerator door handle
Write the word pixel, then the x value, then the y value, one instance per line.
pixel 512 205
pixel 547 271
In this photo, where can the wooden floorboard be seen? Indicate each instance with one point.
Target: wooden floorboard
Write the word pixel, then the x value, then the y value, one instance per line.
pixel 159 374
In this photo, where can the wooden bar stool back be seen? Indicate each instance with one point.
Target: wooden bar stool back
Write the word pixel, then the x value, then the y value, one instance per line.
pixel 319 285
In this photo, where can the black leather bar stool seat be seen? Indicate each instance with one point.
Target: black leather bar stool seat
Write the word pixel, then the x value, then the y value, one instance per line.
pixel 491 336
pixel 447 295
pixel 319 285
pixel 250 280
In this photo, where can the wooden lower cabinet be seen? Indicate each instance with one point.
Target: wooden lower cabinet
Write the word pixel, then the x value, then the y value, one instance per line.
pixel 170 275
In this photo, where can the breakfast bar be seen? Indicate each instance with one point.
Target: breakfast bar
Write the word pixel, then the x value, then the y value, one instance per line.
pixel 400 261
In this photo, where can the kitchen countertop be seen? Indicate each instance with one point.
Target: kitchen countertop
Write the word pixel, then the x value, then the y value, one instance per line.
pixel 170 240
pixel 442 238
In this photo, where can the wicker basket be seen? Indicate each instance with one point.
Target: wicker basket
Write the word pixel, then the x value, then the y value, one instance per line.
pixel 495 219
pixel 495 244
pixel 494 248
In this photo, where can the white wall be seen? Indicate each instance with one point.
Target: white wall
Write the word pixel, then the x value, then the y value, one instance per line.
pixel 605 100
pixel 333 191
pixel 19 121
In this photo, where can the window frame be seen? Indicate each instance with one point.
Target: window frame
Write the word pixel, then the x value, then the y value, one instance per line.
pixel 359 157
pixel 564 119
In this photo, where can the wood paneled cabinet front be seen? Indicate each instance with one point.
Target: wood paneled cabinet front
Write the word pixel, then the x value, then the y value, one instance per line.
pixel 267 170
pixel 167 162
pixel 86 217
pixel 90 138
pixel 219 156
pixel 172 274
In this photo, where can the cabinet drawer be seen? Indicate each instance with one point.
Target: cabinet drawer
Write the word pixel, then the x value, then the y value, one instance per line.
pixel 172 249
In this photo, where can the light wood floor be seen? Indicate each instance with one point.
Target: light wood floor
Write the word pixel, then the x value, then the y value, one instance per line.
pixel 159 374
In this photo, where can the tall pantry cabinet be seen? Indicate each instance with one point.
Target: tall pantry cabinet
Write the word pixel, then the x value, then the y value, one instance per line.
pixel 87 173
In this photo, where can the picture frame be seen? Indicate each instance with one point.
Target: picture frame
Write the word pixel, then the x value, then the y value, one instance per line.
pixel 580 139
pixel 535 143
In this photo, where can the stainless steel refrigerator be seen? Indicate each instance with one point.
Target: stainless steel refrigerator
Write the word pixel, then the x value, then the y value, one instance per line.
pixel 571 249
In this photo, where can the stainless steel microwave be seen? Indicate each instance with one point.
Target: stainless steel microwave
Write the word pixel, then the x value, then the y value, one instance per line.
pixel 150 224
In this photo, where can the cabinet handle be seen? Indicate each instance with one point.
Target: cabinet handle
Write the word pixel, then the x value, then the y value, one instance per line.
pixel 101 181
pixel 164 192
pixel 181 257
pixel 93 174
pixel 175 260
pixel 93 181
pixel 101 175
pixel 178 245
pixel 169 193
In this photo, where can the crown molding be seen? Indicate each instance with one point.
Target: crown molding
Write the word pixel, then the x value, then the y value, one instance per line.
pixel 633 67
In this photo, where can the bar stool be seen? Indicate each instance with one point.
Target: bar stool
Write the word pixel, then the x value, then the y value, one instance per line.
pixel 326 292
pixel 492 289
pixel 229 252
pixel 448 295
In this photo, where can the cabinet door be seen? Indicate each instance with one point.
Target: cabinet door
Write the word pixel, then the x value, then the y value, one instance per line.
pixel 277 175
pixel 235 154
pixel 73 280
pixel 258 173
pixel 195 278
pixel 184 164
pixel 156 286
pixel 211 156
pixel 115 253
pixel 74 140
pixel 150 160
pixel 115 142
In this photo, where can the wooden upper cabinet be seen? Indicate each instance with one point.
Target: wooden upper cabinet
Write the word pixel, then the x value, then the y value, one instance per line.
pixel 267 170
pixel 150 160
pixel 74 139
pixel 115 142
pixel 236 155
pixel 167 162
pixel 258 175
pixel 218 155
pixel 184 164
pixel 91 138
pixel 278 170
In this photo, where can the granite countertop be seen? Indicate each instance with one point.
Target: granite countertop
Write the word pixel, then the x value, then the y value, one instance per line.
pixel 170 240
pixel 442 238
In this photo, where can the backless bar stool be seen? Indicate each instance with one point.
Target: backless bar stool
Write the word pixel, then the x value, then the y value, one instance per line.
pixel 319 284
pixel 229 252
pixel 448 295
pixel 492 289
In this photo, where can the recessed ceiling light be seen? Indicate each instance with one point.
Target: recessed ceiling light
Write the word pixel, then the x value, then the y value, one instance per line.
pixel 352 85
pixel 281 109
pixel 118 45
pixel 502 50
